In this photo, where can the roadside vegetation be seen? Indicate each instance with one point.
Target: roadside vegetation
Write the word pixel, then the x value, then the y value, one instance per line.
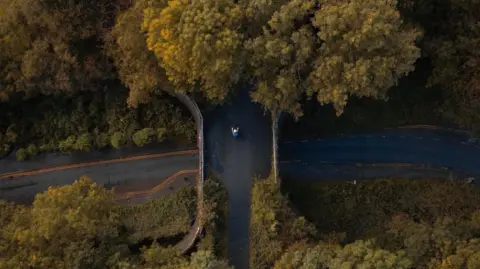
pixel 81 226
pixel 166 217
pixel 91 121
pixel 215 237
pixel 432 224
pixel 409 103
pixel 414 54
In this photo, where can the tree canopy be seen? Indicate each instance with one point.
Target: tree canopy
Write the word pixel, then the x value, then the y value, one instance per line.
pixel 197 42
pixel 79 226
pixel 283 51
pixel 49 46
pixel 330 50
pixel 324 49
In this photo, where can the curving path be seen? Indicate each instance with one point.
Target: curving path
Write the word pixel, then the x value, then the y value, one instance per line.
pixel 237 161
pixel 428 146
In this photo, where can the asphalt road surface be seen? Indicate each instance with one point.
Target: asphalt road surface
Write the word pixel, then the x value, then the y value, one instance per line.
pixel 422 146
pixel 23 189
pixel 10 164
pixel 237 161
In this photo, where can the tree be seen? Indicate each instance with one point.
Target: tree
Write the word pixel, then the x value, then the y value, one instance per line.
pixel 457 65
pixel 429 245
pixel 280 55
pixel 273 226
pixel 467 255
pixel 305 256
pixel 360 254
pixel 197 42
pixel 137 67
pixel 72 226
pixel 206 260
pixel 45 45
pixel 159 257
pixel 331 50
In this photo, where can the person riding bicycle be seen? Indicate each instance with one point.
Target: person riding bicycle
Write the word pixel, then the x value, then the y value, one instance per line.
pixel 235 131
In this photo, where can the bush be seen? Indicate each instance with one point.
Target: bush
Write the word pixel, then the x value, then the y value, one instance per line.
pixel 32 150
pixel 4 149
pixel 161 134
pixel 21 154
pixel 83 143
pixel 117 140
pixel 143 137
pixel 48 147
pixel 11 136
pixel 102 141
pixel 68 144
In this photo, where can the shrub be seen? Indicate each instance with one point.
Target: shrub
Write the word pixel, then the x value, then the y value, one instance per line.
pixel 68 144
pixel 161 134
pixel 50 146
pixel 83 143
pixel 11 136
pixel 4 149
pixel 101 140
pixel 143 137
pixel 21 154
pixel 32 150
pixel 117 140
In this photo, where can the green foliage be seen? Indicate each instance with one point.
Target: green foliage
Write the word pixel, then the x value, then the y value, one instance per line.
pixel 137 66
pixel 67 227
pixel 10 134
pixel 83 143
pixel 143 137
pixel 161 133
pixel 215 225
pixel 360 254
pixel 68 144
pixel 117 140
pixel 274 226
pixel 377 50
pixel 21 154
pixel 101 141
pixel 32 150
pixel 197 42
pixel 80 226
pixel 158 256
pixel 451 30
pixel 409 103
pixel 169 216
pixel 416 224
pixel 93 119
pixel 366 206
pixel 4 149
pixel 44 44
pixel 206 260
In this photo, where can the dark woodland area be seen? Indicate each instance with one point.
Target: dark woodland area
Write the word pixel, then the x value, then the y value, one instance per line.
pixel 82 75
